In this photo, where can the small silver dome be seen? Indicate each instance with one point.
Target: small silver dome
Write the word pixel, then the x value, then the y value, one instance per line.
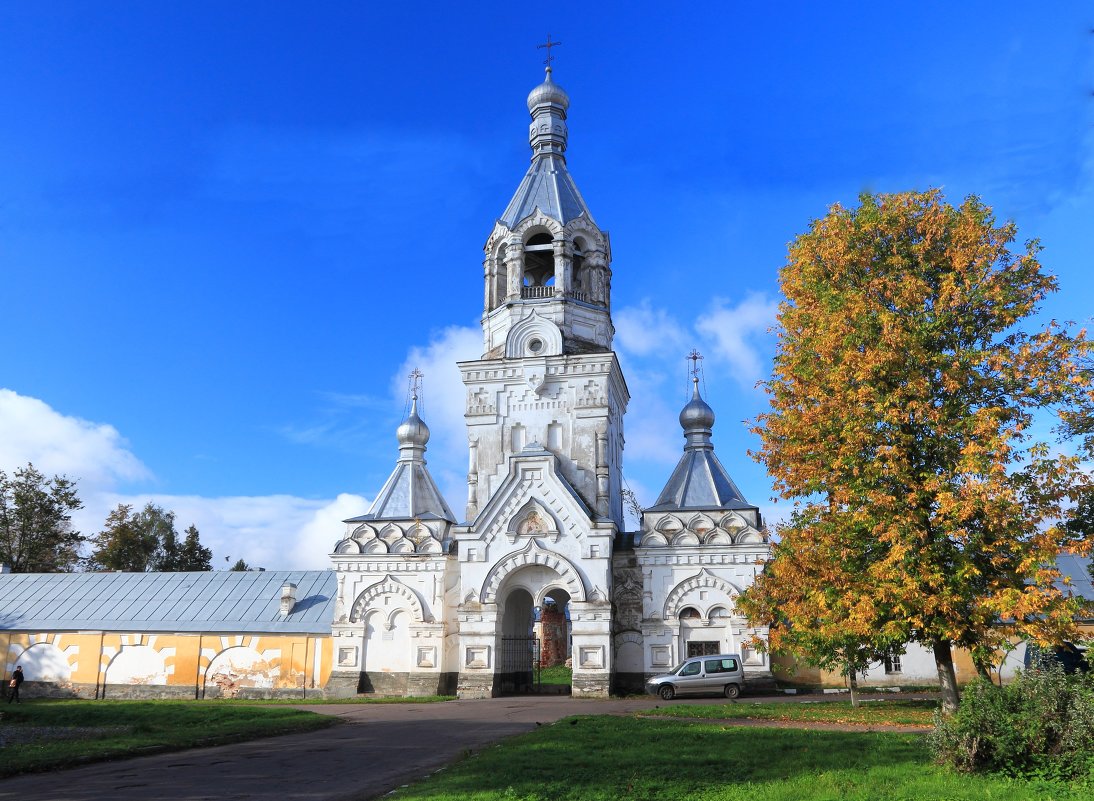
pixel 413 431
pixel 548 92
pixel 697 414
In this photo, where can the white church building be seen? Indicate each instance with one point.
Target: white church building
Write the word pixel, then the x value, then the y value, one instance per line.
pixel 430 603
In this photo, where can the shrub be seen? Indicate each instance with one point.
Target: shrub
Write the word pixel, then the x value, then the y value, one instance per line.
pixel 1042 724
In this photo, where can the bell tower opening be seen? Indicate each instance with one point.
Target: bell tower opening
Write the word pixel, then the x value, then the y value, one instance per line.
pixel 539 267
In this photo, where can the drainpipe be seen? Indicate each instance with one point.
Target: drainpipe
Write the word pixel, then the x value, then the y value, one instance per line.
pixel 99 667
pixel 199 685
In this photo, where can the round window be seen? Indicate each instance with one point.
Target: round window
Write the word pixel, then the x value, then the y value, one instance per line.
pixel 535 345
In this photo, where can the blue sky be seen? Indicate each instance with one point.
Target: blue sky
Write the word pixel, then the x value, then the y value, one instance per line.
pixel 227 233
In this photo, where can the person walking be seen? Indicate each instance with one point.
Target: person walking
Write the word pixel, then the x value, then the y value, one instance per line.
pixel 13 685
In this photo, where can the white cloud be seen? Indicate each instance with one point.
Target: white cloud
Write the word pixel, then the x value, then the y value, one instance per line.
pixel 738 333
pixel 442 405
pixel 277 532
pixel 272 531
pixel 94 453
pixel 644 331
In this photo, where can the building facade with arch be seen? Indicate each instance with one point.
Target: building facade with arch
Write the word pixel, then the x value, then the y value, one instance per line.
pixel 429 603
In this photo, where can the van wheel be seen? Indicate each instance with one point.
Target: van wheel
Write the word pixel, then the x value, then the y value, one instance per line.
pixel 732 691
pixel 667 692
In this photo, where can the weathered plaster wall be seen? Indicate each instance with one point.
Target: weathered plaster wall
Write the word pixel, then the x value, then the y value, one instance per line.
pixel 151 665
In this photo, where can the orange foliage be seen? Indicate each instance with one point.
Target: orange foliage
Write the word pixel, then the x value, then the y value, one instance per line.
pixel 902 400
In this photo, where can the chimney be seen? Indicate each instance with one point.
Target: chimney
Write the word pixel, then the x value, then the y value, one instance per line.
pixel 288 597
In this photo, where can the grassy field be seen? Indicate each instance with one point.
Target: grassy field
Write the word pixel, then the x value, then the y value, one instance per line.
pixel 606 758
pixel 41 735
pixel 871 712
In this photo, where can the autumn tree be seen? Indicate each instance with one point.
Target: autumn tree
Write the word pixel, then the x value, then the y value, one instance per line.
pixel 905 387
pixel 147 540
pixel 36 533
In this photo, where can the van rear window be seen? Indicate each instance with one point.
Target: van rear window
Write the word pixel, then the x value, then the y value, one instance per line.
pixel 720 665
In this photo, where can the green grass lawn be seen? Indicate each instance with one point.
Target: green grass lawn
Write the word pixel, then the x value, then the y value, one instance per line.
pixel 41 734
pixel 558 674
pixel 601 758
pixel 875 712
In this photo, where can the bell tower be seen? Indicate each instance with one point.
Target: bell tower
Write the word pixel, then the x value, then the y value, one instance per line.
pixel 544 415
pixel 548 375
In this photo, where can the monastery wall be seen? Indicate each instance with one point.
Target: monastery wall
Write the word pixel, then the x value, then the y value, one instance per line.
pixel 169 665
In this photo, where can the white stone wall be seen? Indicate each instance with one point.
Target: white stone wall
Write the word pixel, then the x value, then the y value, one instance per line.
pixel 534 535
pixel 571 405
pixel 693 567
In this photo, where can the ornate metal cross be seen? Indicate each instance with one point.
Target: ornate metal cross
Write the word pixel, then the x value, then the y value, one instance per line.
pixel 695 357
pixel 416 376
pixel 548 44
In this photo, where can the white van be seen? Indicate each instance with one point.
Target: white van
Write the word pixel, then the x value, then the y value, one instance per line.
pixel 721 674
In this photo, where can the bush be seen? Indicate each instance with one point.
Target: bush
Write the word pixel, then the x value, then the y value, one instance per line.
pixel 1040 725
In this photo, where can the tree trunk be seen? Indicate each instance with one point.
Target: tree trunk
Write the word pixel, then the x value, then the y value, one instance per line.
pixel 947 678
pixel 983 669
pixel 852 681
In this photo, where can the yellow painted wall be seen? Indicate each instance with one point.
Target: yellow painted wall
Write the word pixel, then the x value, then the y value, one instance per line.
pixel 180 663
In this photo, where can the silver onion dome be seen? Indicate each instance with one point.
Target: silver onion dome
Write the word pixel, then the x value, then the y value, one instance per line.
pixel 548 92
pixel 413 431
pixel 696 417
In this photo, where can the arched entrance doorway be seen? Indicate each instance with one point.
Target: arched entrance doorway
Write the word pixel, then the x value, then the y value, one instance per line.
pixel 556 644
pixel 533 633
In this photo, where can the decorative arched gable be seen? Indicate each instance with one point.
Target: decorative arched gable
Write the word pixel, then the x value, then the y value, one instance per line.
pixel 363 532
pixel 701 524
pixel 533 554
pixel 533 520
pixel 534 476
pixel 704 579
pixel 391 532
pixel 583 227
pixel 669 525
pixel 388 587
pixel 733 523
pixel 537 222
pixel 521 339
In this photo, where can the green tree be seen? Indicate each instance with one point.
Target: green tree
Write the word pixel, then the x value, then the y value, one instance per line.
pixel 190 555
pixel 240 566
pixel 36 533
pixel 147 541
pixel 902 400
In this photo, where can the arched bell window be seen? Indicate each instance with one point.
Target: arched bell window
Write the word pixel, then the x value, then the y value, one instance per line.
pixel 539 266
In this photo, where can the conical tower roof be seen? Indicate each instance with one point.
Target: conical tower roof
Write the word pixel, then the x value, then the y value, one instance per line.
pixel 410 492
pixel 699 480
pixel 548 185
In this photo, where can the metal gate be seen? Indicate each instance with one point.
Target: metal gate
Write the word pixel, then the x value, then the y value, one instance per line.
pixel 518 665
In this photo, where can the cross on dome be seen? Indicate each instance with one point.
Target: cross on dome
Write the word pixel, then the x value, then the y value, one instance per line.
pixel 548 44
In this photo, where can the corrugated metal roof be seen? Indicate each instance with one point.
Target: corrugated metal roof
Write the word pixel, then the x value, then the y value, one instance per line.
pixel 211 601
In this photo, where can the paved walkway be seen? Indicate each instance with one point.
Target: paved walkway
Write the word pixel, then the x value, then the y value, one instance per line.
pixel 380 747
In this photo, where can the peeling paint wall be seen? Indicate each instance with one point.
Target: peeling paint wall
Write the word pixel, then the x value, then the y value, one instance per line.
pixel 186 665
